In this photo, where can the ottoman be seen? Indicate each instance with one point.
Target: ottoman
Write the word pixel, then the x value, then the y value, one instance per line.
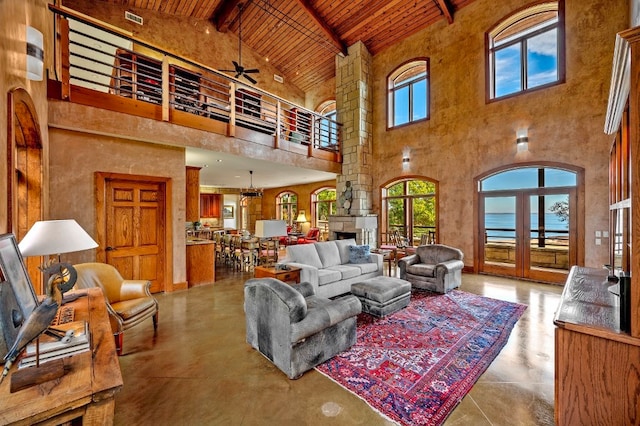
pixel 382 295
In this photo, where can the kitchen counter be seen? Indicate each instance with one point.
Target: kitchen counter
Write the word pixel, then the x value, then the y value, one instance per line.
pixel 200 261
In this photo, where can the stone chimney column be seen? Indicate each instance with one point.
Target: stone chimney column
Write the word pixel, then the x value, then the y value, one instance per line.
pixel 354 107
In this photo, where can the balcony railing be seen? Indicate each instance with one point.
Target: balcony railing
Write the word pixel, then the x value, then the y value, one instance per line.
pixel 99 64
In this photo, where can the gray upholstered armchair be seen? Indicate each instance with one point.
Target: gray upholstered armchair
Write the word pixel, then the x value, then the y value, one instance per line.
pixel 434 267
pixel 294 328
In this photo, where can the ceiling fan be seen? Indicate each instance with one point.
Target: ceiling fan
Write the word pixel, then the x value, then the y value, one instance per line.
pixel 238 68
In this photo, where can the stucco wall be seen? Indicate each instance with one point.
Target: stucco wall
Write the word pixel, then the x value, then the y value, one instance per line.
pixel 75 157
pixel 15 15
pixel 465 137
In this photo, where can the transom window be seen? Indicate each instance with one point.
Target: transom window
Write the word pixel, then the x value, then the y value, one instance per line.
pixel 287 207
pixel 525 51
pixel 408 93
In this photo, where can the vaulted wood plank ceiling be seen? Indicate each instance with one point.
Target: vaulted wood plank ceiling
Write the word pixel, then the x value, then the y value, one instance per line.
pixel 302 37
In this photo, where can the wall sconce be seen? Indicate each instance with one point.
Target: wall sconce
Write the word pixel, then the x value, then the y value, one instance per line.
pixel 35 54
pixel 406 159
pixel 522 140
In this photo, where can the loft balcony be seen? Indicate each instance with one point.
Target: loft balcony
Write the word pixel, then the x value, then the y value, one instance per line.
pixel 130 76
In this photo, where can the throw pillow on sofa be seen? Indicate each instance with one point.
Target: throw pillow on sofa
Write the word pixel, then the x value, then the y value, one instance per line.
pixel 359 254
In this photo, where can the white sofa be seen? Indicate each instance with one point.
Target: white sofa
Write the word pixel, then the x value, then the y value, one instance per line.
pixel 327 267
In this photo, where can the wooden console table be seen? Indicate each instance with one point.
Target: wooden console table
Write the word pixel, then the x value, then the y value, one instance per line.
pixel 86 392
pixel 596 374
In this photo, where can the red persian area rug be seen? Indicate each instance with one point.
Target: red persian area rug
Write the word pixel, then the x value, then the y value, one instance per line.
pixel 417 364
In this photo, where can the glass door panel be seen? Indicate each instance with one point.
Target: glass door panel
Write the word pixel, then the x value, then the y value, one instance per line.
pixel 424 220
pixel 499 234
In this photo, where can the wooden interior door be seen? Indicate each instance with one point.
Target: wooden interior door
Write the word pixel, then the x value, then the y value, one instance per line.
pixel 135 229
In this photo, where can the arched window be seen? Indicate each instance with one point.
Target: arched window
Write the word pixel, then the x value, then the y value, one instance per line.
pixel 525 51
pixel 323 205
pixel 287 207
pixel 408 93
pixel 327 127
pixel 409 206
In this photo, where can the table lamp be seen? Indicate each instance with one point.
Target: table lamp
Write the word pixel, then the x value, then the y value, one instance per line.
pixel 302 218
pixel 54 237
pixel 270 228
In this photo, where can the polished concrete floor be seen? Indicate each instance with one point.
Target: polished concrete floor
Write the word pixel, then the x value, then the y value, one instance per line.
pixel 199 370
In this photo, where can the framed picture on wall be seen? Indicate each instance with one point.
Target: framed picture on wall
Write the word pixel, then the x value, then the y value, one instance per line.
pixel 17 296
pixel 227 211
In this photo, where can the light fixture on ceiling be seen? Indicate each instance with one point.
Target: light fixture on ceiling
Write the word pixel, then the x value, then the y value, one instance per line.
pixel 522 140
pixel 35 54
pixel 251 192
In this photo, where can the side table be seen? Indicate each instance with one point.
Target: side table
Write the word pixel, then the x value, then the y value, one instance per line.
pixel 292 274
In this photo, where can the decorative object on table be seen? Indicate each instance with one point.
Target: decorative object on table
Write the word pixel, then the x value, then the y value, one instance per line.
pixel 421 361
pixel 62 276
pixel 129 302
pixel 294 328
pixel 434 267
pixel 17 296
pixel 65 340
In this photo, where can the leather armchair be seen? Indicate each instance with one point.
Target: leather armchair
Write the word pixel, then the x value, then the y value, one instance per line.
pixel 294 328
pixel 129 302
pixel 434 267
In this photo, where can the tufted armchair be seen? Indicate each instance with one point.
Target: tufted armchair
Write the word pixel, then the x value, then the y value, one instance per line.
pixel 434 267
pixel 294 328
pixel 129 302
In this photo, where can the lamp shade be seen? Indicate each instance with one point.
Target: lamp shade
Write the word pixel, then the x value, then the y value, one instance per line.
pixel 270 228
pixel 55 237
pixel 301 217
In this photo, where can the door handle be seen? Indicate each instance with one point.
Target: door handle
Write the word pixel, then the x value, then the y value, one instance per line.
pixel 110 248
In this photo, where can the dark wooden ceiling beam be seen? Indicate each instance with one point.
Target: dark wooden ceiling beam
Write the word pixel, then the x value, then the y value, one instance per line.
pixel 221 17
pixel 447 10
pixel 326 29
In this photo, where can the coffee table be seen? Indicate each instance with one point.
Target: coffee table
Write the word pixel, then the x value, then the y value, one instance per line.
pixel 292 274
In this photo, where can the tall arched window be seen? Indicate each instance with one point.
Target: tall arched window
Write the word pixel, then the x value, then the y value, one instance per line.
pixel 525 51
pixel 408 93
pixel 287 207
pixel 327 128
pixel 323 203
pixel 410 207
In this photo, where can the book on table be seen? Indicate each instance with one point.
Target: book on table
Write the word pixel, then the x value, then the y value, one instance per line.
pixel 77 341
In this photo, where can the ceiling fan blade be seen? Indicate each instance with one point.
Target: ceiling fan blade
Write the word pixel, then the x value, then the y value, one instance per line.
pixel 238 75
pixel 252 70
pixel 235 64
pixel 251 79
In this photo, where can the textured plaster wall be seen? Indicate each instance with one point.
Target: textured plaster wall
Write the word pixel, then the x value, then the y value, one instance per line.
pixel 466 137
pixel 188 38
pixel 15 15
pixel 75 157
pixel 321 93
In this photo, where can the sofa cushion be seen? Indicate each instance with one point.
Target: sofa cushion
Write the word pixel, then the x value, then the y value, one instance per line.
pixel 328 276
pixel 328 253
pixel 347 271
pixel 359 254
pixel 343 248
pixel 304 253
pixel 367 268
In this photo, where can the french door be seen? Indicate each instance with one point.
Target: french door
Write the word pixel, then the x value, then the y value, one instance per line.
pixel 528 233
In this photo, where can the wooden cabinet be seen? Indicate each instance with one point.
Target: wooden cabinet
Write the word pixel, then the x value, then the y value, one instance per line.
pixel 137 77
pixel 597 365
pixel 192 195
pixel 210 205
pixel 200 263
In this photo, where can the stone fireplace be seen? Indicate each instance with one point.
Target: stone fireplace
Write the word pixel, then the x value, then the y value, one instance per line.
pixel 363 228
